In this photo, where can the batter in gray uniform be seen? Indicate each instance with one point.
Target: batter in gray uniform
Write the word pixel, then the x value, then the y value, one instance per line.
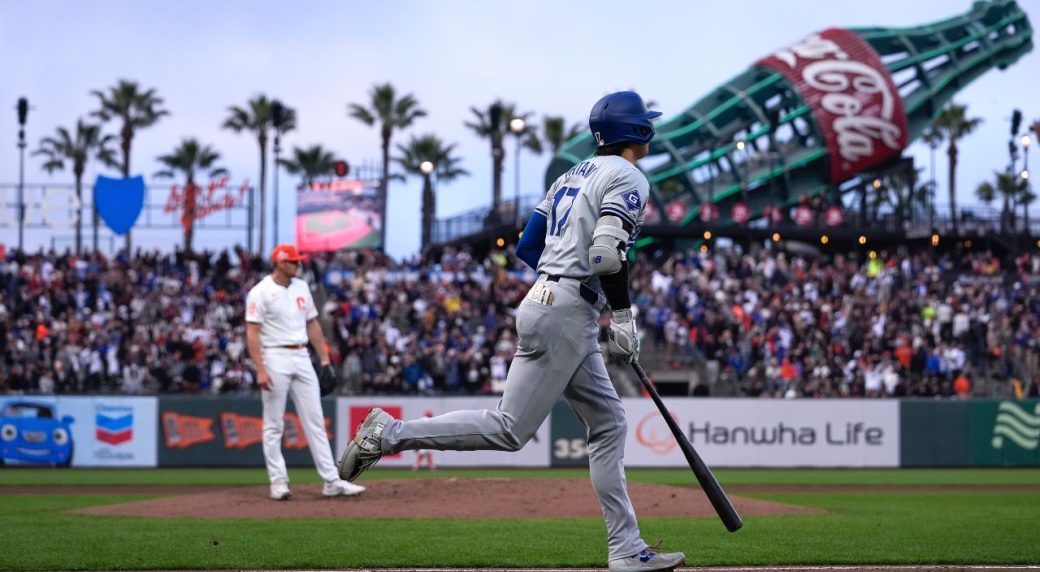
pixel 578 236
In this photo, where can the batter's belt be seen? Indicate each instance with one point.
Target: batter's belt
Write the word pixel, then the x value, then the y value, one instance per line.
pixel 586 293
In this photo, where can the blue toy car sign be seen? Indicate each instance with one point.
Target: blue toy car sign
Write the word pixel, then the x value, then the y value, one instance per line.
pixel 30 432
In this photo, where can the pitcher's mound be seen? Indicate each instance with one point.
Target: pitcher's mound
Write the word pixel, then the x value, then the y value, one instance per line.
pixel 438 498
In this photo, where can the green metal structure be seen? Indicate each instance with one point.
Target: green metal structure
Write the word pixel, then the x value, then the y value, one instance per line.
pixel 758 139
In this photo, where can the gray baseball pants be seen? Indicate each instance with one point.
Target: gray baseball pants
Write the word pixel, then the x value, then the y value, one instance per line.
pixel 557 354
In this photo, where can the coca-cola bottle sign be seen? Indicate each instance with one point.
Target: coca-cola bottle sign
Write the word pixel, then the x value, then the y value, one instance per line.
pixel 852 96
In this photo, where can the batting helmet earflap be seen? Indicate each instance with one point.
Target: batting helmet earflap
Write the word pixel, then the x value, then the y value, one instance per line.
pixel 621 117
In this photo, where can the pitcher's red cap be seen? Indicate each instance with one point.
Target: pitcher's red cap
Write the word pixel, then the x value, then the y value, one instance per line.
pixel 284 252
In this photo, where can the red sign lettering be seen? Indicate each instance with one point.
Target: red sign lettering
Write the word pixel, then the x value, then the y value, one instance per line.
pixel 204 202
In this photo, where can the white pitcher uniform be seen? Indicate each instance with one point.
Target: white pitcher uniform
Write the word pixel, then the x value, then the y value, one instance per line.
pixel 283 313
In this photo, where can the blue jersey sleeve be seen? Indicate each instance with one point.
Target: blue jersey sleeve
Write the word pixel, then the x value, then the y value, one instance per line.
pixel 532 241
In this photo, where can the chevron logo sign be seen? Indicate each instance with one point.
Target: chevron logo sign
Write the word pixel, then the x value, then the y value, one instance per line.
pixel 114 424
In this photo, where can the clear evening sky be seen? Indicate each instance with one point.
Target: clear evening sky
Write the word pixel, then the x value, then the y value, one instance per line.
pixel 550 57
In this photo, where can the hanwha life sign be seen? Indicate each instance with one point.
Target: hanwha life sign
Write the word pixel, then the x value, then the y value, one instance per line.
pixel 767 433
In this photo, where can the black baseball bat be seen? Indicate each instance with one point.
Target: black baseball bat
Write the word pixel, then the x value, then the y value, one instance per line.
pixel 717 496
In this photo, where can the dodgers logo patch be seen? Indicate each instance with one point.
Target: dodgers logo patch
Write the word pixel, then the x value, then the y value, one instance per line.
pixel 632 200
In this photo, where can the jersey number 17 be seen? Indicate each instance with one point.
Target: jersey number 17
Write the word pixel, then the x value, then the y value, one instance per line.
pixel 557 222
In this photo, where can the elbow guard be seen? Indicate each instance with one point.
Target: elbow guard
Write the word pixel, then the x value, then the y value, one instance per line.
pixel 609 246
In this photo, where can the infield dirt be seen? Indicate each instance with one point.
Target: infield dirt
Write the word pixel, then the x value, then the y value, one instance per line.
pixel 429 498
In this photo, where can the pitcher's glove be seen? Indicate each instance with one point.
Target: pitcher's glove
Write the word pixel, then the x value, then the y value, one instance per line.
pixel 327 379
pixel 624 341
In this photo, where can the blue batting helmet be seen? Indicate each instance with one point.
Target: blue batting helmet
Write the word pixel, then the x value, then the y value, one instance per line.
pixel 621 117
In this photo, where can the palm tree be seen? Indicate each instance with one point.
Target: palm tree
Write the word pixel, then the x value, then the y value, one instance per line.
pixel 986 193
pixel 556 132
pixel 190 158
pixel 444 165
pixel 492 125
pixel 311 163
pixel 135 109
pixel 952 125
pixel 392 114
pixel 78 149
pixel 1011 189
pixel 257 117
pixel 933 138
pixel 489 124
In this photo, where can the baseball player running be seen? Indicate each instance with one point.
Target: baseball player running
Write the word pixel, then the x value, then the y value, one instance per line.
pixel 280 319
pixel 580 233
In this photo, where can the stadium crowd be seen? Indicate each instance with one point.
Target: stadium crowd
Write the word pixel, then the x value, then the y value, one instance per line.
pixel 766 324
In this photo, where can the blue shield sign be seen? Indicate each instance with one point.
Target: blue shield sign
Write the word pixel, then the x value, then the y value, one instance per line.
pixel 119 201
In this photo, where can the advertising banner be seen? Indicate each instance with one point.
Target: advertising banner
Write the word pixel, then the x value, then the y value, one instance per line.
pixel 338 214
pixel 78 431
pixel 351 411
pixel 766 433
pixel 201 431
pixel 1004 433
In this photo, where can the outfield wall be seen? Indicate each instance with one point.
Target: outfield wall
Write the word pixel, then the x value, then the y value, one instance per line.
pixel 983 432
pixel 174 431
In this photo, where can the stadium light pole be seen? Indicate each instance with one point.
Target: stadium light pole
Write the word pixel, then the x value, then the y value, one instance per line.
pixel 1025 141
pixel 517 126
pixel 742 170
pixel 23 114
pixel 428 207
pixel 277 150
pixel 277 114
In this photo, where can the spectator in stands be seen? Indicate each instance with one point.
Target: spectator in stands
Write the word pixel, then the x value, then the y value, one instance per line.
pixel 773 323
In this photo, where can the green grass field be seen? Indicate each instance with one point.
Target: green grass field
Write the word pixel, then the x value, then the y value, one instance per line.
pixel 883 527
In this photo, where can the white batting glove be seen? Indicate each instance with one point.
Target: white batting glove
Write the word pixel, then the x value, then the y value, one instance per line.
pixel 624 341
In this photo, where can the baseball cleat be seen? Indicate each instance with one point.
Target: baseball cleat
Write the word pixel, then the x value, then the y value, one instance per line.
pixel 649 559
pixel 280 491
pixel 365 449
pixel 340 488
